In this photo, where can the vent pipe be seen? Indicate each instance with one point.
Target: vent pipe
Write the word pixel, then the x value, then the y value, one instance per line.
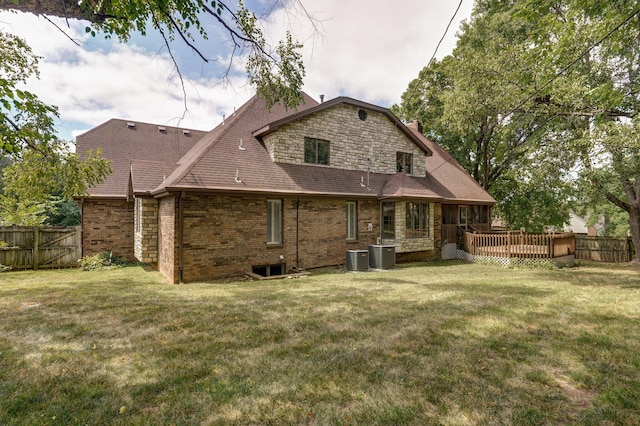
pixel 321 98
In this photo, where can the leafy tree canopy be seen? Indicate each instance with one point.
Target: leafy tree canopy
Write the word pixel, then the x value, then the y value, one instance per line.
pixel 42 169
pixel 536 92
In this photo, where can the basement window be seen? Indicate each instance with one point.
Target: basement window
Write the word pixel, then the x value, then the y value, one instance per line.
pixel 269 270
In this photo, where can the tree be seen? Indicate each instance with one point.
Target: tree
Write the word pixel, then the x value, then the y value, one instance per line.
pixel 276 72
pixel 24 119
pixel 598 91
pixel 537 88
pixel 41 166
pixel 39 182
pixel 466 104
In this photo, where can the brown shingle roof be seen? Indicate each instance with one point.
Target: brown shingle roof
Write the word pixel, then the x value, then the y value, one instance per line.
pixel 148 175
pixel 122 143
pixel 450 179
pixel 215 160
pixel 158 163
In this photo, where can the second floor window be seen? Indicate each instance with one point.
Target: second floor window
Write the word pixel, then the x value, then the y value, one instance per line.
pixel 316 151
pixel 404 162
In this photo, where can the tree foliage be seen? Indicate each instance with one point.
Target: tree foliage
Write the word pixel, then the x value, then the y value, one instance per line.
pixel 535 92
pixel 24 119
pixel 42 169
pixel 276 72
pixel 467 103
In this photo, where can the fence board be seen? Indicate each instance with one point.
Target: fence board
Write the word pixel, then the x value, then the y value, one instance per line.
pixel 604 249
pixel 40 247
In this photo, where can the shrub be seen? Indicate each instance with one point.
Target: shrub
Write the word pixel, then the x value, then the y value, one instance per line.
pixel 101 261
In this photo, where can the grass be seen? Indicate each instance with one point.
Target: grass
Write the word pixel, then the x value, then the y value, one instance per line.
pixel 436 343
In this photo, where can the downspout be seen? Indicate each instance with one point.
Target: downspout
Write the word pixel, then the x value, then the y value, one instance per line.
pixel 298 233
pixel 181 237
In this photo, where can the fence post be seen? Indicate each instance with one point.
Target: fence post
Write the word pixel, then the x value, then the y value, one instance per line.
pixel 36 247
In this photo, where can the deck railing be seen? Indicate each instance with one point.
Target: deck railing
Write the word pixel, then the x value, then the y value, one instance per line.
pixel 520 244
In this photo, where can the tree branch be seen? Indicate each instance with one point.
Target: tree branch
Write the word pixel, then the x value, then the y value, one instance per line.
pixel 23 139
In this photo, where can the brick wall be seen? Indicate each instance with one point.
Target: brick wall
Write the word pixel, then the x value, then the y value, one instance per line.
pixel 107 225
pixel 167 238
pixel 352 141
pixel 225 236
pixel 146 230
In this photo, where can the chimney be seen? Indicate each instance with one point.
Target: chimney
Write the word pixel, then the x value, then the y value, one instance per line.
pixel 321 98
pixel 415 125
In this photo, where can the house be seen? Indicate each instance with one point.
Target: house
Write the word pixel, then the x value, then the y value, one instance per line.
pixel 579 225
pixel 274 191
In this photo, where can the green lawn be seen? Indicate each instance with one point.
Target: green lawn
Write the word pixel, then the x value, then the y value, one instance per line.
pixel 435 343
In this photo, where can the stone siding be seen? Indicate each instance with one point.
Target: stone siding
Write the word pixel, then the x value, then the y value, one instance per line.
pixel 415 249
pixel 167 238
pixel 146 230
pixel 353 144
pixel 107 225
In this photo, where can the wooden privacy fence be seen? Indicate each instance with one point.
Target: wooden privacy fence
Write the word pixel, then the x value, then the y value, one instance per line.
pixel 604 249
pixel 521 245
pixel 35 247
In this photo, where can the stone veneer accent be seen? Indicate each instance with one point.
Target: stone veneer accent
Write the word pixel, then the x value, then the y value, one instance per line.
pixel 347 135
pixel 416 249
pixel 107 225
pixel 167 238
pixel 146 230
pixel 225 236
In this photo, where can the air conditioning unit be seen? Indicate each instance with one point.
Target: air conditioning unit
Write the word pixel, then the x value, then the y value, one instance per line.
pixel 382 256
pixel 357 260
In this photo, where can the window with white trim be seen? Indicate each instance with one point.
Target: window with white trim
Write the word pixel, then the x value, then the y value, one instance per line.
pixel 274 222
pixel 352 220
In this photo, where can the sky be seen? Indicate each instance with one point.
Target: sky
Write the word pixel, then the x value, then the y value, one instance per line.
pixel 351 48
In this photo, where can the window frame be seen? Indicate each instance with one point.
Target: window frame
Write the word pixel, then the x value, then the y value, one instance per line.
pixel 351 208
pixel 418 220
pixel 274 217
pixel 388 228
pixel 316 151
pixel 402 165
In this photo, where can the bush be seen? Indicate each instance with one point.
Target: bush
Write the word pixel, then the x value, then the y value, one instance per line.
pixel 101 261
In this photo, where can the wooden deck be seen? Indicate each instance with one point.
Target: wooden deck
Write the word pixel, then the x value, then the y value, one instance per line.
pixel 521 245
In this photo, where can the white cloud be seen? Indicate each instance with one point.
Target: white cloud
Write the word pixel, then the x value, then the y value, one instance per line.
pixel 370 52
pixel 90 85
